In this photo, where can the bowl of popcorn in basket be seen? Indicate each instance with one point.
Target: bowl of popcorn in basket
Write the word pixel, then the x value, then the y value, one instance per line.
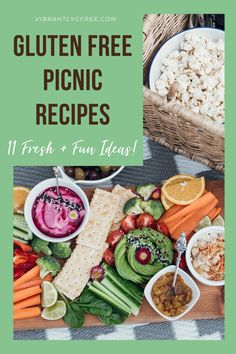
pixel 189 70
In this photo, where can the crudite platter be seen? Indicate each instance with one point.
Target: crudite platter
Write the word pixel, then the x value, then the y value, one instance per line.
pixel 119 266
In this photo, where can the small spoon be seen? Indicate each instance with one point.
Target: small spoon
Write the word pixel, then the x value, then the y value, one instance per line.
pixel 180 247
pixel 56 173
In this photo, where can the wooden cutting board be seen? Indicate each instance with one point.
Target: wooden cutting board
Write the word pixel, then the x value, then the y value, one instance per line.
pixel 210 304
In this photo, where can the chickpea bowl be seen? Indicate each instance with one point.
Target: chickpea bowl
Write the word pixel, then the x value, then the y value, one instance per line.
pixel 89 175
pixel 181 303
pixel 205 255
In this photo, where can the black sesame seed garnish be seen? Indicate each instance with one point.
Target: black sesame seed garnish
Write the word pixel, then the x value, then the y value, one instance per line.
pixel 59 202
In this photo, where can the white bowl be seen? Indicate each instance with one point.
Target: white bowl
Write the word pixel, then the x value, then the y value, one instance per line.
pixel 188 281
pixel 39 188
pixel 87 182
pixel 202 234
pixel 174 44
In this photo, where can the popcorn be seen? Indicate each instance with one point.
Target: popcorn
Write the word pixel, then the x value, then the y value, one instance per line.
pixel 198 68
pixel 194 64
pixel 198 94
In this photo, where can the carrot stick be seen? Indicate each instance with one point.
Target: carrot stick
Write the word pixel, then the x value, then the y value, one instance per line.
pixel 207 199
pixel 27 313
pixel 29 284
pixel 25 293
pixel 31 274
pixel 172 211
pixel 174 225
pixel 33 282
pixel 214 213
pixel 31 301
pixel 189 224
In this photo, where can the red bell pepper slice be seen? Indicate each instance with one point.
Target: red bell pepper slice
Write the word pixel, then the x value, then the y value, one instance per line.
pixel 24 247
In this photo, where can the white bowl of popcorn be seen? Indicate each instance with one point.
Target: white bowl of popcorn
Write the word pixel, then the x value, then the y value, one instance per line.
pixel 189 67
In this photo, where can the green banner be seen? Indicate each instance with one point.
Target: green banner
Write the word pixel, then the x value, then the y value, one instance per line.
pixel 74 83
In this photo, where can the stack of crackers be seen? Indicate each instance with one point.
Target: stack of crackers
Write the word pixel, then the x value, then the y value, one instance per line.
pixel 106 213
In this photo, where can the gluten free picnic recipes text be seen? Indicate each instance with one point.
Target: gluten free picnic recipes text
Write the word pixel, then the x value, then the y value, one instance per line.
pixel 77 79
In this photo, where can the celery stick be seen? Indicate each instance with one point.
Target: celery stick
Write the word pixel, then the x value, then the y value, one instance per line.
pixel 109 299
pixel 119 292
pixel 132 289
pixel 102 288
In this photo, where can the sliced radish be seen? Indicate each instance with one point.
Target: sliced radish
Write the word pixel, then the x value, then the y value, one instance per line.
pixel 97 273
pixel 156 194
pixel 73 215
pixel 143 255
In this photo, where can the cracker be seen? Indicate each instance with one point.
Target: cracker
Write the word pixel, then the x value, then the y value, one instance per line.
pixel 91 244
pixel 103 208
pixel 124 195
pixel 76 272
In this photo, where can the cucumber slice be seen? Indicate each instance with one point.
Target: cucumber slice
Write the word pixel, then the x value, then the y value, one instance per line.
pixel 20 224
pixel 130 288
pixel 20 240
pixel 119 292
pixel 115 298
pixel 21 234
pixel 108 299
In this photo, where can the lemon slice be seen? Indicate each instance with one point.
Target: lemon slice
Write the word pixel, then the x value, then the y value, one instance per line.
pixel 166 203
pixel 183 189
pixel 49 294
pixel 205 222
pixel 54 312
pixel 19 196
pixel 218 221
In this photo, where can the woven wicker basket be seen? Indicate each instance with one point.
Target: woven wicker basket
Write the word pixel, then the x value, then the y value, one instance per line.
pixel 170 124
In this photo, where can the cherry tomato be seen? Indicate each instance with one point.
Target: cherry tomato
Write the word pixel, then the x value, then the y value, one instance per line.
pixel 162 228
pixel 145 220
pixel 129 223
pixel 108 257
pixel 114 237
